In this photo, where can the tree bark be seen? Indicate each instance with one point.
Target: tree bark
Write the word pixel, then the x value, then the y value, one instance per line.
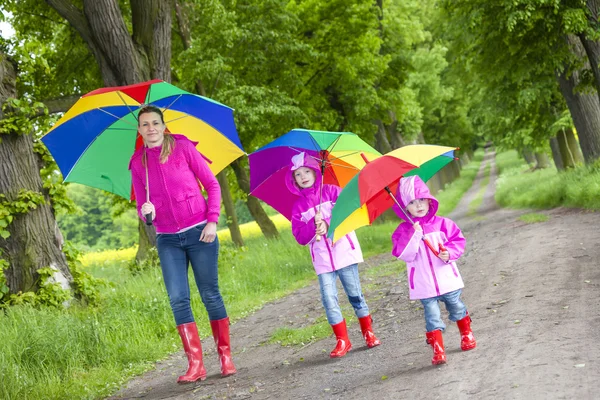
pixel 528 156
pixel 556 155
pixel 382 143
pixel 34 240
pixel 592 47
pixel 569 148
pixel 584 107
pixel 541 161
pixel 125 59
pixel 232 222
pixel 267 226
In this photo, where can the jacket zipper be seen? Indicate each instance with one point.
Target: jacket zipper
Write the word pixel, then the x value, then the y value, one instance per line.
pixel 437 288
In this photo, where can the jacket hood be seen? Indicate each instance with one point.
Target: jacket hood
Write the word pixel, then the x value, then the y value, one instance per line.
pixel 302 160
pixel 409 189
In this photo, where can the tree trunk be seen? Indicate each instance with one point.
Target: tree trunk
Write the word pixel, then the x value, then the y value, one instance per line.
pixel 382 143
pixel 584 108
pixel 34 240
pixel 267 226
pixel 556 156
pixel 125 59
pixel 232 222
pixel 569 148
pixel 591 46
pixel 528 156
pixel 541 161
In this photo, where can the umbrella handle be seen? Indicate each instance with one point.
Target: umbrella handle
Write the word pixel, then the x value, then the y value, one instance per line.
pixel 148 219
pixel 318 237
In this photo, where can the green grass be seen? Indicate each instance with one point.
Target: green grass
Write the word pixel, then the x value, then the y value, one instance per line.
pixel 532 218
pixel 519 187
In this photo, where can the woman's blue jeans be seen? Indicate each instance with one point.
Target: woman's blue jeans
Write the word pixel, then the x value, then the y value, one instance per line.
pixel 454 305
pixel 176 251
pixel 351 283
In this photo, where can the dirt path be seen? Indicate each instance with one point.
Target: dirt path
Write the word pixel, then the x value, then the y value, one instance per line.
pixel 533 291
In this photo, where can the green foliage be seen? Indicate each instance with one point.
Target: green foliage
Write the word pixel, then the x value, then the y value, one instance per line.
pixel 94 225
pixel 25 201
pixel 152 261
pixel 18 116
pixel 4 289
pixel 86 288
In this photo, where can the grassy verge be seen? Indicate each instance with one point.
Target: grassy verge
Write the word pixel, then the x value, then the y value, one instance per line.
pixel 519 187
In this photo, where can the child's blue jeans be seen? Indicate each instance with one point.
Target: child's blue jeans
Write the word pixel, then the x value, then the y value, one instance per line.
pixel 351 283
pixel 454 305
pixel 176 251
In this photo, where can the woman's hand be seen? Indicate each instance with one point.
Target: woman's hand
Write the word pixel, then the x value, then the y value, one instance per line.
pixel 148 208
pixel 209 233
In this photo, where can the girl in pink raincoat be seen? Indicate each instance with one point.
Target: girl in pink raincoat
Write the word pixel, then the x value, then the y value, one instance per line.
pixel 330 260
pixel 432 277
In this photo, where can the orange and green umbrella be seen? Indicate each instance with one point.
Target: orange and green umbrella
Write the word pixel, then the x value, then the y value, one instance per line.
pixel 338 153
pixel 371 191
pixel 93 142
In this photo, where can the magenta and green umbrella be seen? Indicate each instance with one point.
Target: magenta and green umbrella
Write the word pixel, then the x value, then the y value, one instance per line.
pixel 94 141
pixel 371 191
pixel 339 154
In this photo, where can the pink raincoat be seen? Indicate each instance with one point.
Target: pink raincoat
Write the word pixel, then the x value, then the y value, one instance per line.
pixel 428 275
pixel 326 256
pixel 175 187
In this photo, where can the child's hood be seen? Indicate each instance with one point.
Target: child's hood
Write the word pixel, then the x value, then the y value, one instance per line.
pixel 409 189
pixel 302 160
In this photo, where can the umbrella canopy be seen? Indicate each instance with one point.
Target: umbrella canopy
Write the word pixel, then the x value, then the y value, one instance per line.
pixel 371 191
pixel 93 142
pixel 338 153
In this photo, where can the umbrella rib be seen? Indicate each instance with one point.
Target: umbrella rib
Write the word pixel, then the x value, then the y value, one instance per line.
pixel 173 102
pixel 124 102
pixel 117 118
pixel 175 119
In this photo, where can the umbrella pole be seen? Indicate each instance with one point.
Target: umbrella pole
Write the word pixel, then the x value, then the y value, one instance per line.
pixel 427 243
pixel 318 237
pixel 149 215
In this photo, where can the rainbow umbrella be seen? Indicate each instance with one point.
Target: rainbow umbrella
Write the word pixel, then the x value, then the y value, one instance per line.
pixel 93 142
pixel 371 191
pixel 338 153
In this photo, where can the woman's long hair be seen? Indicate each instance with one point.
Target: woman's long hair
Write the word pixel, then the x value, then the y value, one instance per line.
pixel 168 142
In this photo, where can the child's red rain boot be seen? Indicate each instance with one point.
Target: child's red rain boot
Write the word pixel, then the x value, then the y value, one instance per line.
pixel 193 350
pixel 467 340
pixel 220 329
pixel 343 341
pixel 367 331
pixel 434 338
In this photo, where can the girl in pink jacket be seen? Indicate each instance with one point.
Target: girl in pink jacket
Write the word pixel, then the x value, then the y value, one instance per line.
pixel 432 276
pixel 331 260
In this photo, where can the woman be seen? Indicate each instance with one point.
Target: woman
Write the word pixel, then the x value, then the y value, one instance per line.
pixel 169 167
